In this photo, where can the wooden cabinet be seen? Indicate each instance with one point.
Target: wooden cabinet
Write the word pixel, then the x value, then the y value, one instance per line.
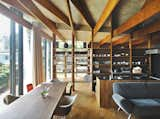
pixel 104 93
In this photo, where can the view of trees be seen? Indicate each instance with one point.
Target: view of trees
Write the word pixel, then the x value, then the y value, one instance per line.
pixel 4 77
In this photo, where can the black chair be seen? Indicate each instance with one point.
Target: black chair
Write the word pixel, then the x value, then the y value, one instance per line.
pixel 64 106
pixel 8 99
pixel 69 87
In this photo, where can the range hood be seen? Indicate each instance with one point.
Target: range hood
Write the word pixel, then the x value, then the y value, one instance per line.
pixel 153 51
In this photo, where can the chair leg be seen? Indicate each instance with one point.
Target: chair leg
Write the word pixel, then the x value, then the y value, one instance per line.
pixel 130 115
pixel 55 117
pixel 64 117
pixel 58 117
pixel 119 109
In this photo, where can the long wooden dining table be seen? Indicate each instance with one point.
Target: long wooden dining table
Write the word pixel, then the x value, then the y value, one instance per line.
pixel 33 106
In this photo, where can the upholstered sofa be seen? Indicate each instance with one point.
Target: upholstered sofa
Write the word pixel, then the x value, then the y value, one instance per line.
pixel 141 99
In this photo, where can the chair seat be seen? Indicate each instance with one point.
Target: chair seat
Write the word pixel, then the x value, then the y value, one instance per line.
pixel 61 111
pixel 8 99
pixel 64 106
pixel 146 107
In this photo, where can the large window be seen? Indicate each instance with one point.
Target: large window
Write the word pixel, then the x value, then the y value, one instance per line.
pixel 46 54
pixel 4 58
pixel 27 57
pixel 4 53
pixel 15 57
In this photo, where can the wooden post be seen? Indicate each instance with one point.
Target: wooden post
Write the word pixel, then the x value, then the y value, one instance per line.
pixel 130 55
pixel 89 58
pixel 111 51
pixel 65 64
pixel 111 61
pixel 149 46
pixel 54 76
pixel 91 61
pixel 73 64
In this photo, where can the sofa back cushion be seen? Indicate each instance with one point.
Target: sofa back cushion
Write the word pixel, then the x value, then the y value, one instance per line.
pixel 137 89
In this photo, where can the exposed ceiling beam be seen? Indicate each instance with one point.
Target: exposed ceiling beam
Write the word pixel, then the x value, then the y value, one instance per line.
pixel 79 27
pixel 151 8
pixel 54 10
pixel 7 12
pixel 17 5
pixel 46 35
pixel 70 15
pixel 138 41
pixel 111 4
pixel 85 13
pixel 154 27
pixel 120 39
pixel 48 23
pixel 106 39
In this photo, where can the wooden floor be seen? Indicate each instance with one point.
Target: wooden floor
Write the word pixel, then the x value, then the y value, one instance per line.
pixel 86 106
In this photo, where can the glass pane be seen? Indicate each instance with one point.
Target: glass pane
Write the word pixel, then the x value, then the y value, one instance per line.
pixel 4 58
pixel 16 62
pixel 27 58
pixel 48 65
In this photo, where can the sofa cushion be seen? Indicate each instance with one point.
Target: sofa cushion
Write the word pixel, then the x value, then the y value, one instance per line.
pixel 131 90
pixel 146 107
pixel 153 90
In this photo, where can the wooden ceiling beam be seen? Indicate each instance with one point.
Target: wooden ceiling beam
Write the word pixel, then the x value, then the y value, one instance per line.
pixel 7 12
pixel 138 41
pixel 28 4
pixel 46 35
pixel 121 40
pixel 79 27
pixel 154 27
pixel 54 10
pixel 85 13
pixel 70 15
pixel 17 5
pixel 151 8
pixel 106 39
pixel 111 4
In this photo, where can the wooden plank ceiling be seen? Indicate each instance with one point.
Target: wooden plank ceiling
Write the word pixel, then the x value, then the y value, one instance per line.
pixel 108 19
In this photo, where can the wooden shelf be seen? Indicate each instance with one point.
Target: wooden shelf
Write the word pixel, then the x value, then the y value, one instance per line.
pixel 120 56
pixel 121 73
pixel 121 65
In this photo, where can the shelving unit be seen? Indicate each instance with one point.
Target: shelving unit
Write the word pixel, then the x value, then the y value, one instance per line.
pixel 121 63
pixel 101 64
pixel 140 59
pixel 63 61
pixel 113 64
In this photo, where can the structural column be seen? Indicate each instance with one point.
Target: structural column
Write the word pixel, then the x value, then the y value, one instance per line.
pixel 130 54
pixel 91 60
pixel 54 57
pixel 111 51
pixel 73 63
pixel 149 46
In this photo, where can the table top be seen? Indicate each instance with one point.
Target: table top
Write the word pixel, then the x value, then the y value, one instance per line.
pixel 33 106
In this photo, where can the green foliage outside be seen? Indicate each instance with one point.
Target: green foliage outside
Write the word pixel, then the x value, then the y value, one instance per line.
pixel 4 76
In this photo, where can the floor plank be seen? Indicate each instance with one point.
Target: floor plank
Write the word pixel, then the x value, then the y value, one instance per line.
pixel 86 106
